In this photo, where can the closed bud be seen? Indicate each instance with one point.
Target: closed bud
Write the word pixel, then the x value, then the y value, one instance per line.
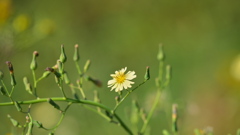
pixel 27 85
pixel 33 64
pixel 1 75
pixel 63 57
pixel 55 105
pixel 10 67
pixel 14 122
pixel 160 55
pixel 66 78
pixel 2 91
pixel 76 53
pixel 96 82
pixel 87 65
pixel 174 118
pixel 147 73
pixel 17 105
pixel 37 124
pixel 60 66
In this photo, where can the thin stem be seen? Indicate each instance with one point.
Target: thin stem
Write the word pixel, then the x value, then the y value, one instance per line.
pixel 34 84
pixel 82 92
pixel 61 88
pixel 78 68
pixel 117 105
pixel 151 112
pixel 4 86
pixel 87 102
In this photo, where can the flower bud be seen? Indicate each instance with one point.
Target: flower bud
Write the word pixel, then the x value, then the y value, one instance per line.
pixel 1 75
pixel 96 82
pixel 14 122
pixel 17 105
pixel 66 78
pixel 27 85
pixel 10 67
pixel 96 97
pixel 37 123
pixel 147 73
pixel 55 105
pixel 87 65
pixel 160 55
pixel 33 64
pixel 63 57
pixel 60 66
pixel 76 53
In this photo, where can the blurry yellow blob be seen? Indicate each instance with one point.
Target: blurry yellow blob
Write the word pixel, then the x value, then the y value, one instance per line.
pixel 21 23
pixel 235 68
pixel 45 27
pixel 5 10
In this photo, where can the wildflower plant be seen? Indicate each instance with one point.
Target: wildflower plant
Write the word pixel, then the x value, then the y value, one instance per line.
pixel 122 82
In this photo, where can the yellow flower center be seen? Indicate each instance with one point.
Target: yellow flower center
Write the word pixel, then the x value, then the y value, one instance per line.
pixel 120 78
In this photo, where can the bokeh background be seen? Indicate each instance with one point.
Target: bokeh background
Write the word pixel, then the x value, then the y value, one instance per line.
pixel 201 43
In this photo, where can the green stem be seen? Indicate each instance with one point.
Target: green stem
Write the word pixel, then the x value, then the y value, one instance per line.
pixel 34 84
pixel 78 68
pixel 8 95
pixel 151 112
pixel 117 105
pixel 87 102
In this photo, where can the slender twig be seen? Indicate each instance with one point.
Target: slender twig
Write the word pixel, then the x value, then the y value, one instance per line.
pixel 117 105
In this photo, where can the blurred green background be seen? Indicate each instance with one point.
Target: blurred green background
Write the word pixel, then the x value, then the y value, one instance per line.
pixel 201 42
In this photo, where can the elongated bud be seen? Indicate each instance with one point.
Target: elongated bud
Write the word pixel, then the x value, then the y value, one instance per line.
pixel 76 53
pixel 168 72
pixel 27 85
pixel 96 82
pixel 47 72
pixel 87 65
pixel 37 124
pixel 10 67
pixel 17 105
pixel 174 118
pixel 14 122
pixel 160 55
pixel 60 66
pixel 1 75
pixel 66 78
pixel 33 64
pixel 147 73
pixel 2 91
pixel 55 105
pixel 63 57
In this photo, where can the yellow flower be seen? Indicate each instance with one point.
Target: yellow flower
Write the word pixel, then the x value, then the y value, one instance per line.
pixel 121 80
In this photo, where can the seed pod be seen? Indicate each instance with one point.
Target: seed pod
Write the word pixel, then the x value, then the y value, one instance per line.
pixel 76 53
pixel 63 57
